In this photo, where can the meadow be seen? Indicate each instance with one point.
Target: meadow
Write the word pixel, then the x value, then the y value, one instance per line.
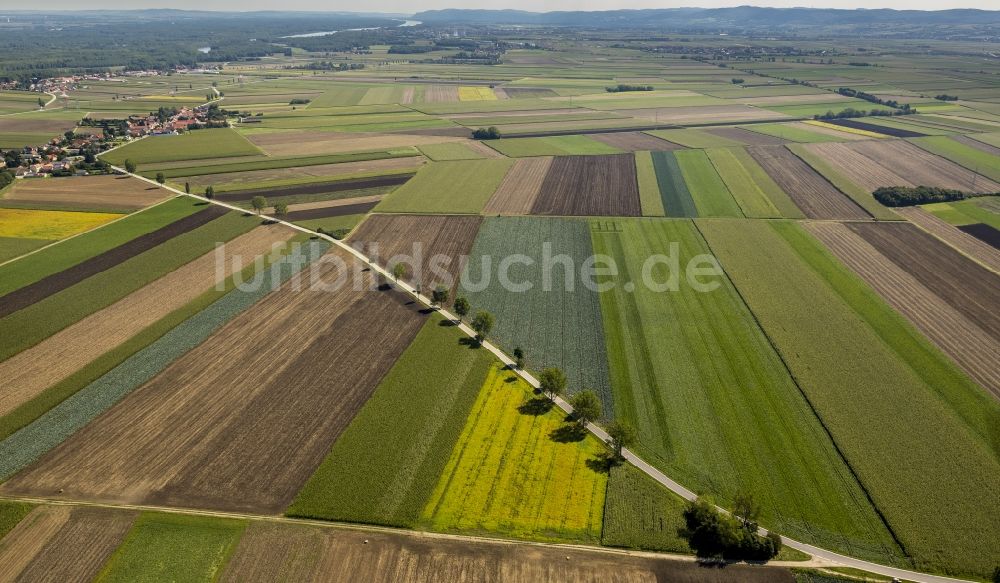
pixel 195 145
pixel 448 187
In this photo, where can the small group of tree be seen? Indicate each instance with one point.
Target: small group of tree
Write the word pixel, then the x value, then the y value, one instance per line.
pixel 209 192
pixel 259 203
pixel 280 209
pixel 482 324
pixel 622 88
pixel 737 81
pixel 946 97
pixel 300 101
pixel 408 49
pixel 160 178
pixel 712 534
pixel 913 195
pixel 130 166
pixel 490 133
pixel 6 178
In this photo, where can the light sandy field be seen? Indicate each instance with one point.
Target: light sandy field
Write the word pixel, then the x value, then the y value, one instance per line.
pixel 112 192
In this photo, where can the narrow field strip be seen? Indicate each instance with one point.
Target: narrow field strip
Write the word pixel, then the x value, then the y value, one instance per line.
pixel 929 165
pixel 45 364
pixel 676 198
pixel 756 193
pixel 63 420
pixel 860 195
pixel 519 189
pixel 711 196
pixel 817 198
pixel 971 246
pixel 649 191
pixel 49 224
pixel 26 540
pixel 57 282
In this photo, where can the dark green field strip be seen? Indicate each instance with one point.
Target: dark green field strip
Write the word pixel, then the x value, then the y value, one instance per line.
pixel 677 199
pixel 416 415
pixel 317 188
pixel 57 282
pixel 55 425
pixel 64 255
pixel 29 326
pixel 277 163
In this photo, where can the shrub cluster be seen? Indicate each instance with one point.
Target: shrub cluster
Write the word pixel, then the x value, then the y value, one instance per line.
pixel 490 133
pixel 914 195
pixel 713 534
pixel 620 88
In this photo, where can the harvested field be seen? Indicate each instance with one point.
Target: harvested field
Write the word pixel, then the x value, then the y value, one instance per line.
pixel 981 146
pixel 955 334
pixel 968 287
pixel 34 125
pixel 325 212
pixel 234 179
pixel 32 371
pixel 440 93
pixel 85 192
pixel 48 286
pixel 79 549
pixel 923 168
pixel 322 204
pixel 312 143
pixel 218 428
pixel 746 136
pixel 703 114
pixel 315 188
pixel 857 167
pixel 273 552
pixel 823 97
pixel 984 233
pixel 590 186
pixel 979 249
pixel 888 131
pixel 519 189
pixel 635 142
pixel 31 535
pixel 384 237
pixel 817 198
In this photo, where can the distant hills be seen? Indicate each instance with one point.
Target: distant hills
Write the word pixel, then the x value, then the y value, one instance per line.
pixel 715 18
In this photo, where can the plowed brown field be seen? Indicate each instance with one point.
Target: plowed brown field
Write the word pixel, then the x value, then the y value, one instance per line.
pixel 28 538
pixel 450 237
pixel 30 372
pixel 922 167
pixel 636 142
pixel 746 136
pixel 971 246
pixel 440 93
pixel 87 192
pixel 957 336
pixel 858 167
pixel 817 198
pixel 520 187
pixel 590 186
pixel 242 421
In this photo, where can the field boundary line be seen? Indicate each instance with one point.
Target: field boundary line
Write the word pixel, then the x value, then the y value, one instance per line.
pixel 597 431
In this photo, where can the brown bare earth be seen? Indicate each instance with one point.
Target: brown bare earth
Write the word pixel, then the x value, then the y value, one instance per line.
pixel 955 334
pixel 746 136
pixel 817 198
pixel 922 167
pixel 520 187
pixel 30 372
pixel 967 286
pixel 384 237
pixel 87 192
pixel 81 547
pixel 636 142
pixel 242 421
pixel 316 143
pixel 407 96
pixel 858 167
pixel 286 552
pixel 703 114
pixel 590 186
pixel 323 170
pixel 26 124
pixel 323 204
pixel 971 246
pixel 26 540
pixel 440 93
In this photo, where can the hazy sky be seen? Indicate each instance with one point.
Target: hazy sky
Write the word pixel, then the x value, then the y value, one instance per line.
pixel 409 6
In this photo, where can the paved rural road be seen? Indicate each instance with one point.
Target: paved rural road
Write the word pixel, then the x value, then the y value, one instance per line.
pixel 635 460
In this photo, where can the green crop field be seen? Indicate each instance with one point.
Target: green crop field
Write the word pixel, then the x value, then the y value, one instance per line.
pixel 173 547
pixel 461 187
pixel 711 196
pixel 556 325
pixel 450 151
pixel 649 190
pixel 276 163
pixel 195 145
pixel 973 159
pixel 674 193
pixel 509 475
pixel 552 146
pixel 417 414
pixel 792 133
pixel 722 409
pixel 11 247
pixel 811 109
pixel 858 194
pixel 755 191
pixel 920 436
pixel 11 513
pixel 692 138
pixel 639 513
pixel 984 210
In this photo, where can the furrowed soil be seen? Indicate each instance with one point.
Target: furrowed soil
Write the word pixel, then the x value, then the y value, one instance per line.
pixel 956 335
pixel 57 282
pixel 86 192
pixel 316 188
pixel 635 142
pixel 746 136
pixel 309 143
pixel 30 372
pixel 922 167
pixel 27 540
pixel 858 167
pixel 817 198
pixel 218 428
pixel 973 247
pixel 519 189
pixel 590 186
pixel 384 237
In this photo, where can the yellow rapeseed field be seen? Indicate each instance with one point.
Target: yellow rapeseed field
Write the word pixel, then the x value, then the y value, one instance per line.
pixel 507 475
pixel 36 224
pixel 476 94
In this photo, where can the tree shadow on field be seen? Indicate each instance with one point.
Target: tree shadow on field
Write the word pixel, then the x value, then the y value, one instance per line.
pixel 568 433
pixel 510 379
pixel 470 342
pixel 536 406
pixel 603 462
pixel 445 322
pixel 199 203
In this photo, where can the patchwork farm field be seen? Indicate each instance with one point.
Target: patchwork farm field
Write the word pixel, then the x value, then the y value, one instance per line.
pixel 83 192
pixel 213 143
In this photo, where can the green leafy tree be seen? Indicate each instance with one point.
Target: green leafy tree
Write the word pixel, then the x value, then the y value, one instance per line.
pixel 130 166
pixel 519 358
pixel 461 307
pixel 482 323
pixel 439 296
pixel 620 436
pixel 210 192
pixel 398 270
pixel 280 209
pixel 259 203
pixel 160 178
pixel 586 407
pixel 187 187
pixel 552 382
